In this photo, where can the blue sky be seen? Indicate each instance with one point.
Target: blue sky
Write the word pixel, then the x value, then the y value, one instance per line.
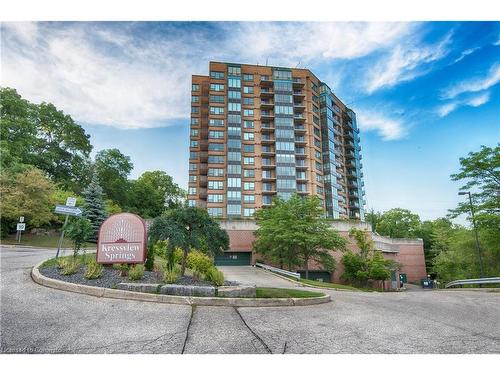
pixel 425 93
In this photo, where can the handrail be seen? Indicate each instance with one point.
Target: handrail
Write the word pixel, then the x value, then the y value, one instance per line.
pixel 484 280
pixel 278 270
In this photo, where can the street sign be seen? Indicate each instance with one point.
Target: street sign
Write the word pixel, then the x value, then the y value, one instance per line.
pixel 21 219
pixel 70 201
pixel 21 226
pixel 67 210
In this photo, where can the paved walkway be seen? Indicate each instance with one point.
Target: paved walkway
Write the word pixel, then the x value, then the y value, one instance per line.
pixel 37 319
pixel 249 275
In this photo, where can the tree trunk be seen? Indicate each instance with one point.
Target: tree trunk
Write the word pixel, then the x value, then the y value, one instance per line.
pixel 183 264
pixel 306 266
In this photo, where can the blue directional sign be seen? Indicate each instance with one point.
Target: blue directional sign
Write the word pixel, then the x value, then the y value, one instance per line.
pixel 68 210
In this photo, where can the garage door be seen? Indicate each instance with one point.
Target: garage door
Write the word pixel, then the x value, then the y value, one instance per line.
pixel 233 259
pixel 317 275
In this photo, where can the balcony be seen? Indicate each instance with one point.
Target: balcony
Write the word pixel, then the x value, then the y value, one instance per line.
pixel 350 155
pixel 299 107
pixel 266 104
pixel 267 127
pixel 266 81
pixel 267 200
pixel 300 151
pixel 298 83
pixel 349 135
pixel 268 188
pixel 299 93
pixel 266 114
pixel 349 145
pixel 268 175
pixel 300 164
pixel 266 138
pixel 301 176
pixel 203 193
pixel 266 93
pixel 203 156
pixel 268 150
pixel 203 181
pixel 301 139
pixel 300 128
pixel 268 163
pixel 299 118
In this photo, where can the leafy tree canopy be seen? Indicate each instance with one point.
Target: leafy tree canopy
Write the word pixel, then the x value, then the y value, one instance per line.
pixel 112 169
pixel 398 223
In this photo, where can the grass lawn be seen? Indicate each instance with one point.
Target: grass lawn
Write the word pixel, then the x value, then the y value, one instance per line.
pixel 322 284
pixel 286 293
pixel 42 241
pixel 52 262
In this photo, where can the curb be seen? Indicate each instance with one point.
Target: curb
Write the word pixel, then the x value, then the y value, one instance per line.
pixel 177 300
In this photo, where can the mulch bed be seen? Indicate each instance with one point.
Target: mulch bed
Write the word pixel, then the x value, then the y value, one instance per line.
pixel 111 277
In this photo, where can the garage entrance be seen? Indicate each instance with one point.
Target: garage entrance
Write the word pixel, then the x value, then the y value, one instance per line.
pixel 324 276
pixel 231 258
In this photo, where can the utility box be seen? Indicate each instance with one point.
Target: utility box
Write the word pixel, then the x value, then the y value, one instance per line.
pixel 427 283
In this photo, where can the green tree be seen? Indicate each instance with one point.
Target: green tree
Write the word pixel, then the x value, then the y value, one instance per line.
pixel 27 193
pixel 153 192
pixel 45 137
pixel 112 169
pixel 79 230
pixel 94 208
pixel 188 228
pixel 398 223
pixel 296 231
pixel 373 218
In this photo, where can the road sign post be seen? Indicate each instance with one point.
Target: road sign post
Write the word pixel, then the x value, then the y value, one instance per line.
pixel 68 210
pixel 20 228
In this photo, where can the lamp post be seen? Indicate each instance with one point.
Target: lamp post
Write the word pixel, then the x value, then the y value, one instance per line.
pixel 475 231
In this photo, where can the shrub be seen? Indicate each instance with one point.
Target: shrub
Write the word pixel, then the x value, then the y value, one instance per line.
pixel 215 276
pixel 93 270
pixel 70 266
pixel 122 267
pixel 150 258
pixel 60 262
pixel 199 263
pixel 170 275
pixel 136 272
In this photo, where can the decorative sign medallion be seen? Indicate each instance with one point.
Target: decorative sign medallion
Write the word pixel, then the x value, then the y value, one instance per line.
pixel 122 239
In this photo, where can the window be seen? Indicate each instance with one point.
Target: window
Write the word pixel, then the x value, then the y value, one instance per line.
pixel 284 121
pixel 317 154
pixel 248 112
pixel 192 191
pixel 319 178
pixel 193 167
pixel 248 173
pixel 193 155
pixel 234 169
pixel 234 209
pixel 234 71
pixel 195 99
pixel 234 131
pixel 234 83
pixel 248 148
pixel 316 120
pixel 233 195
pixel 216 159
pixel 248 212
pixel 318 166
pixel 247 101
pixel 216 147
pixel 194 132
pixel 216 87
pixel 283 110
pixel 195 109
pixel 285 158
pixel 217 134
pixel 215 198
pixel 286 184
pixel 282 86
pixel 285 133
pixel 248 124
pixel 317 132
pixel 234 156
pixel 249 161
pixel 234 119
pixel 192 178
pixel 215 211
pixel 216 110
pixel 319 189
pixel 248 89
pixel 215 185
pixel 191 202
pixel 282 74
pixel 247 77
pixel 234 182
pixel 234 143
pixel 249 186
pixel 193 144
pixel 235 107
pixel 195 87
pixel 248 136
pixel 216 98
pixel 249 198
pixel 301 175
pixel 282 98
pixel 216 122
pixel 195 121
pixel 285 146
pixel 215 172
pixel 285 171
pixel 234 94
pixel 217 75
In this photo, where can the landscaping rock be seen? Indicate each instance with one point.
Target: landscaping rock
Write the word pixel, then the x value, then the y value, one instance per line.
pixel 188 290
pixel 139 287
pixel 237 291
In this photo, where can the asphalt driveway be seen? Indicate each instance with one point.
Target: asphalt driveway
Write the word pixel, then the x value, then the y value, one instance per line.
pixel 37 319
pixel 249 275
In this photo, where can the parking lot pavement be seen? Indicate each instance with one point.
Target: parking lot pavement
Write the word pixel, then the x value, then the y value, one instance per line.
pixel 43 320
pixel 249 275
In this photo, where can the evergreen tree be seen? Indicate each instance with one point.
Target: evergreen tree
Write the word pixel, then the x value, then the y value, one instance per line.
pixel 94 206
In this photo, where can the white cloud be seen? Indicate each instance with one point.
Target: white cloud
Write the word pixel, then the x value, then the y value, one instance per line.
pixel 465 53
pixel 471 101
pixel 389 129
pixel 111 74
pixel 407 61
pixel 474 84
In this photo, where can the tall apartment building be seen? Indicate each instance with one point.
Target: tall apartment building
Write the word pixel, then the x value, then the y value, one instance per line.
pixel 260 131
